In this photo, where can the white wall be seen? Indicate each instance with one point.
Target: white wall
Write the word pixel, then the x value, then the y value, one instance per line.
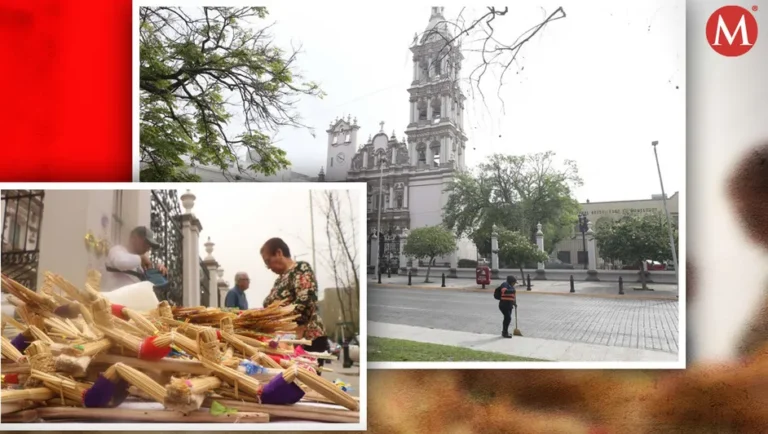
pixel 70 214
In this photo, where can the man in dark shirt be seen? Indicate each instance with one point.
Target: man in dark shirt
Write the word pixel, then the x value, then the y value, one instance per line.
pixel 236 296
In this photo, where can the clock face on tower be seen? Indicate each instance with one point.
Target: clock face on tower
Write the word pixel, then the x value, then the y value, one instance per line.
pixel 340 157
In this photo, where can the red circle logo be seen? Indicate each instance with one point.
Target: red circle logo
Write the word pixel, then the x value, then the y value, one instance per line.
pixel 731 31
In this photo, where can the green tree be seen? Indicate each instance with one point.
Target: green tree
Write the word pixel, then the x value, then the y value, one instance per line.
pixel 196 64
pixel 636 239
pixel 515 193
pixel 428 243
pixel 516 249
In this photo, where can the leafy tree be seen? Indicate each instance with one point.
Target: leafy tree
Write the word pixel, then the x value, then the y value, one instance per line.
pixel 636 239
pixel 196 64
pixel 430 242
pixel 515 248
pixel 514 193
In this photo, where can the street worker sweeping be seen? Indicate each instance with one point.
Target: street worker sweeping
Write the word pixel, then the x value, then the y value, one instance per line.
pixel 507 296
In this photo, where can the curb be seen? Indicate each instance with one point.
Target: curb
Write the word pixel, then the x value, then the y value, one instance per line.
pixel 574 294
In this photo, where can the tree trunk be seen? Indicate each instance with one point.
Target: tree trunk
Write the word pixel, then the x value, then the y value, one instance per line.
pixel 522 275
pixel 429 267
pixel 643 276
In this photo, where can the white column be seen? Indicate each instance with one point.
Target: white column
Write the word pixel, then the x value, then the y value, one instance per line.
pixel 391 196
pixel 540 243
pixel 212 265
pixel 375 252
pixel 405 196
pixel 494 251
pixel 443 150
pixel 591 254
pixel 415 69
pixel 413 111
pixel 429 109
pixel 443 110
pixel 191 256
pixel 365 159
pixel 403 259
pixel 221 286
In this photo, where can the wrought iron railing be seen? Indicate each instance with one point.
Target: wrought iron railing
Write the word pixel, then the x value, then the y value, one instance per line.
pixel 165 222
pixel 205 285
pixel 22 219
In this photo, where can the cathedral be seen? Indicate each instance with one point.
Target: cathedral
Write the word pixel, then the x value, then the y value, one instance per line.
pixel 407 177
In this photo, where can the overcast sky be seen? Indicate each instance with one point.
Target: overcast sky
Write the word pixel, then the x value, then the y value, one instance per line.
pixel 239 221
pixel 596 87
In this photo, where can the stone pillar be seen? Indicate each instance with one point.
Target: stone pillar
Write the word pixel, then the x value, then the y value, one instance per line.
pixel 495 253
pixel 405 196
pixel 591 254
pixel 365 159
pixel 429 109
pixel 403 258
pixel 375 252
pixel 221 286
pixel 454 258
pixel 540 244
pixel 391 203
pixel 212 265
pixel 190 228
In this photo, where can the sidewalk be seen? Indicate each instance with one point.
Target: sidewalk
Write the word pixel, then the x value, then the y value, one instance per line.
pixel 545 349
pixel 582 288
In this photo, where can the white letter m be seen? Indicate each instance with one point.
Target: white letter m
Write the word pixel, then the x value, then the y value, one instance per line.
pixel 730 37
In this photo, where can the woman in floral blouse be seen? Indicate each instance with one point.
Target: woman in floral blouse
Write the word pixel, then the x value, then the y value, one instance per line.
pixel 295 284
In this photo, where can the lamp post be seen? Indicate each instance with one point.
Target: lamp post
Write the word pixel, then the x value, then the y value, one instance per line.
pixel 583 228
pixel 382 161
pixel 666 211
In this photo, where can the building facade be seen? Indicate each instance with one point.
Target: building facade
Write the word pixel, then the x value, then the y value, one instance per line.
pixel 235 174
pixel 571 251
pixel 407 177
pixel 69 232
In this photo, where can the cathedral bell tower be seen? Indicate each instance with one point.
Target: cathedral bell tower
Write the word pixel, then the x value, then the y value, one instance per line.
pixel 435 130
pixel 342 145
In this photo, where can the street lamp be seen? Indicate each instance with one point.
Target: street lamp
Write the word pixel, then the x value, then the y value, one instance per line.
pixel 666 211
pixel 583 228
pixel 382 161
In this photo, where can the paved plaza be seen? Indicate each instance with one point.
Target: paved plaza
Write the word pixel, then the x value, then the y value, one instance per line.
pixel 642 324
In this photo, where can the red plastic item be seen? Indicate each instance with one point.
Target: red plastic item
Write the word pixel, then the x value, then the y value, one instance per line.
pixel 11 378
pixel 117 310
pixel 483 275
pixel 149 351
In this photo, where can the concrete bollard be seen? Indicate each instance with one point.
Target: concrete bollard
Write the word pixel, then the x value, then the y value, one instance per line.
pixel 572 287
pixel 528 287
pixel 409 278
pixel 621 286
pixel 443 285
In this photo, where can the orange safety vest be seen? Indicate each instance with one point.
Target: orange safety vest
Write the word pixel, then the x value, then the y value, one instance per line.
pixel 508 294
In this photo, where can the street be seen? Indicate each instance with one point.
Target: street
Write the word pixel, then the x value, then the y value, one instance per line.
pixel 630 323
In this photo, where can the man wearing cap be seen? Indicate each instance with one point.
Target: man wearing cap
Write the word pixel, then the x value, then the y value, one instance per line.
pixel 125 264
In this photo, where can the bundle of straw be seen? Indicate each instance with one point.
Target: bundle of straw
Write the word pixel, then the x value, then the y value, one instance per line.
pixel 141 381
pixel 64 388
pixel 10 352
pixel 322 386
pixel 41 360
pixel 187 394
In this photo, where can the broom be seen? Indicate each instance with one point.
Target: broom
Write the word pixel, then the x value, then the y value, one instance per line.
pixel 516 332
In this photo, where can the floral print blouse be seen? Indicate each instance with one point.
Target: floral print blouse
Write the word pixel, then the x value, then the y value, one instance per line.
pixel 299 286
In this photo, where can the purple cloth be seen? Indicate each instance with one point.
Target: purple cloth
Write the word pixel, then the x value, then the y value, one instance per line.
pixel 100 394
pixel 21 342
pixel 278 391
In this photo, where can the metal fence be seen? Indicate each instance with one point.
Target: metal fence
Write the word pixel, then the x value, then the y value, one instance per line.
pixel 22 212
pixel 165 222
